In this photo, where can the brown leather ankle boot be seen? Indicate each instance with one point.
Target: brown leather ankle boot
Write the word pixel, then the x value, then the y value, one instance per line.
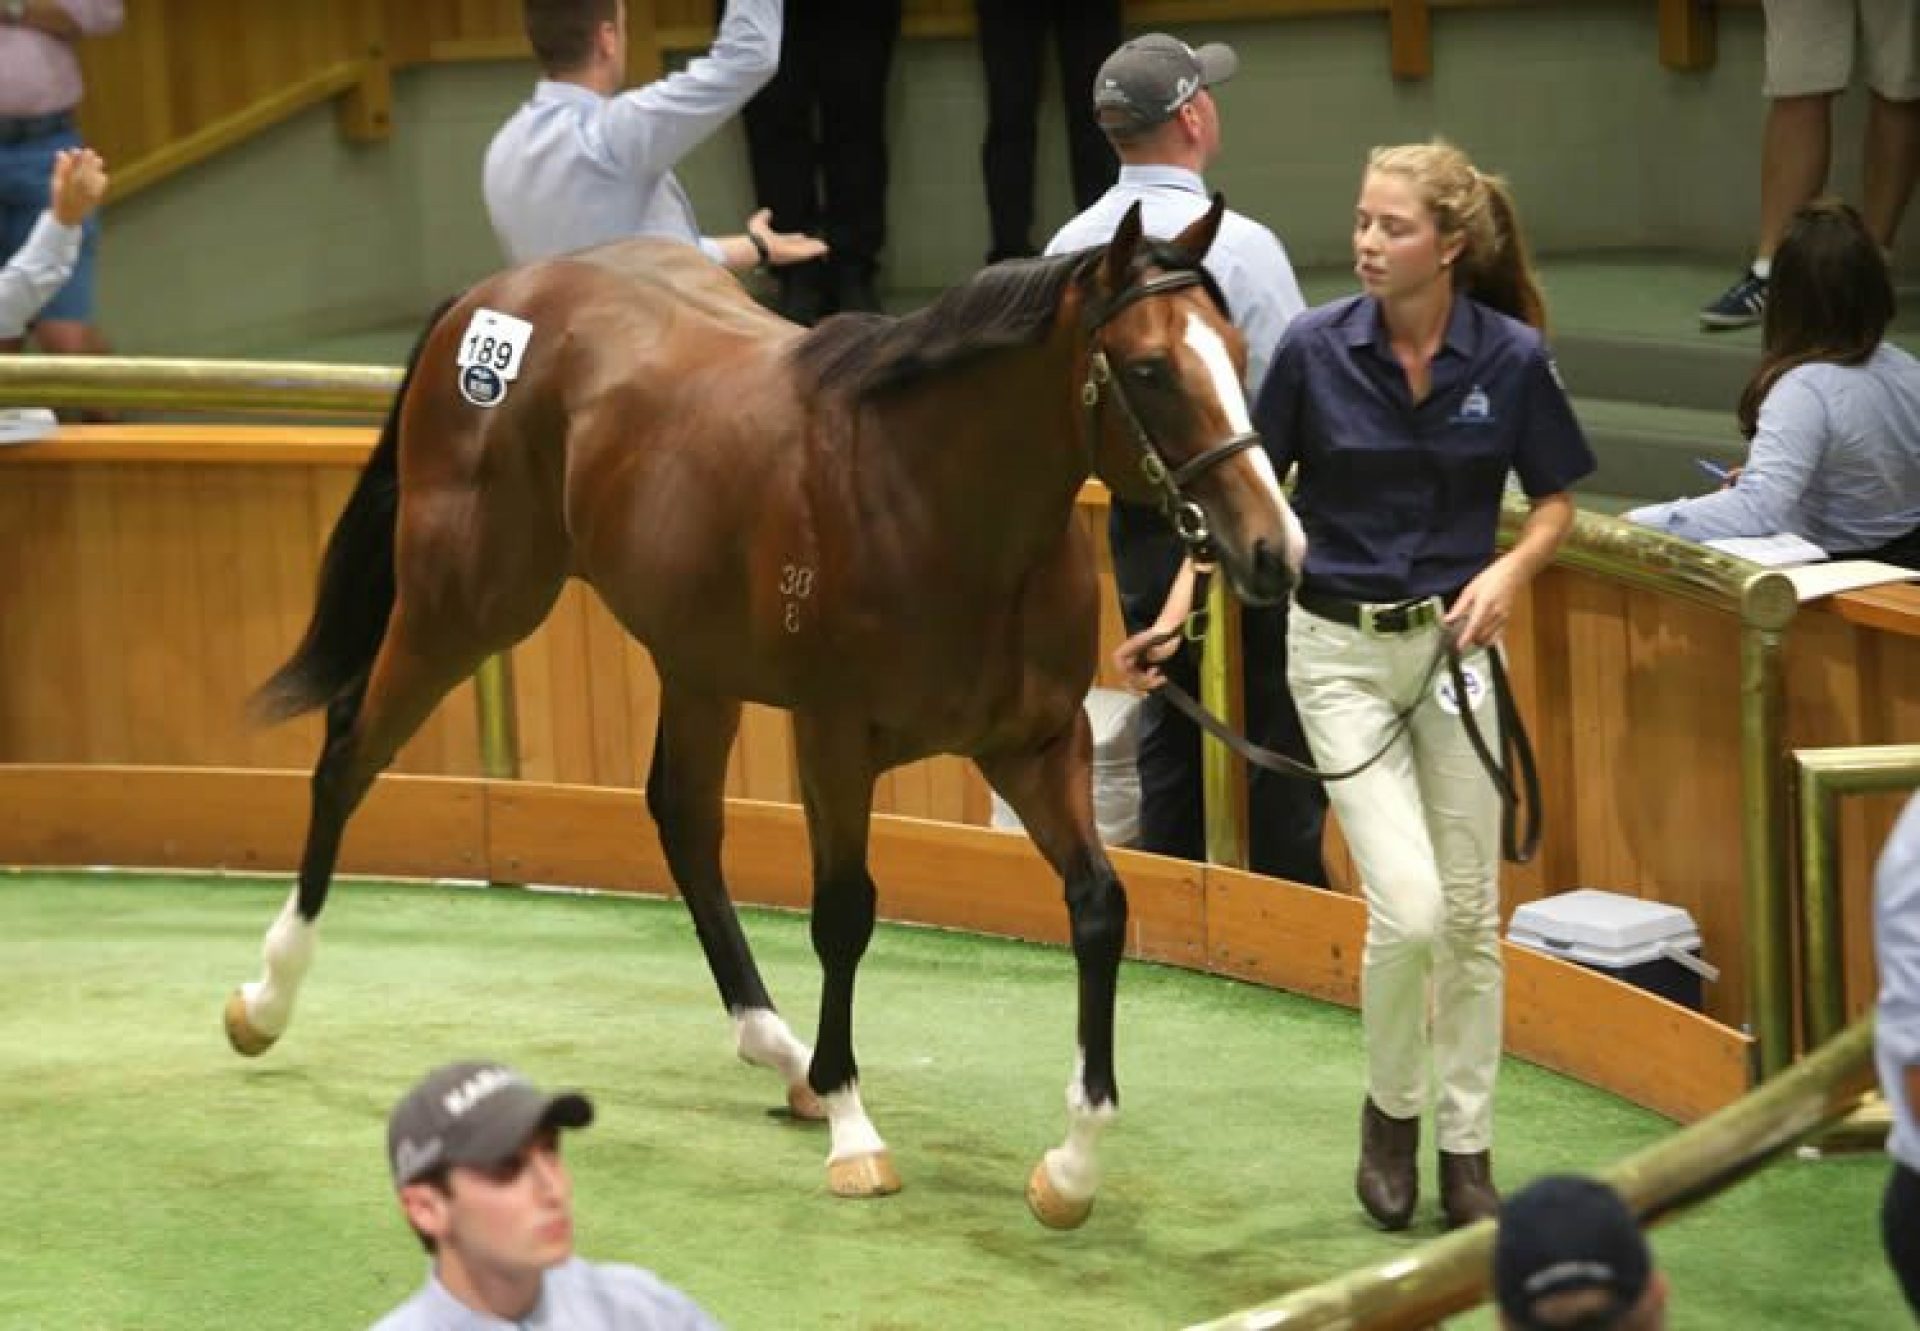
pixel 1467 1193
pixel 1388 1180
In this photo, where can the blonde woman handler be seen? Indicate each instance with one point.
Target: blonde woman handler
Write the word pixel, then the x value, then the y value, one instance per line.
pixel 1405 407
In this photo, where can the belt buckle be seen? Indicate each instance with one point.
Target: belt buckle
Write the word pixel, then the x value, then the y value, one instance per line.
pixel 1379 621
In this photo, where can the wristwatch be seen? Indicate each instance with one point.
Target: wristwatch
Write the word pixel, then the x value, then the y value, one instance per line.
pixel 13 11
pixel 759 245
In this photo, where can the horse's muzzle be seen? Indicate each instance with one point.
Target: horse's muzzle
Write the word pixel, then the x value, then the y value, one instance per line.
pixel 1266 577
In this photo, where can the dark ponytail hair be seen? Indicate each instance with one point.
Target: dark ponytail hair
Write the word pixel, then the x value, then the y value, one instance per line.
pixel 1829 298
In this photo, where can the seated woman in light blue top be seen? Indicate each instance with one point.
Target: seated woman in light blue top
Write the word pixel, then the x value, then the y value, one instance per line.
pixel 1833 412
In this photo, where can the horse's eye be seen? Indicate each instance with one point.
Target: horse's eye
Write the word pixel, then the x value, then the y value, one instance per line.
pixel 1147 371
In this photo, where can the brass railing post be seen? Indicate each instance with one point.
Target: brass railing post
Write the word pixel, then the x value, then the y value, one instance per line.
pixel 1767 605
pixel 1825 775
pixel 1223 776
pixel 499 721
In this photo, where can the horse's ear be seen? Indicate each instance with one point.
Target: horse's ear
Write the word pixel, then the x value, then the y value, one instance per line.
pixel 1197 239
pixel 1125 244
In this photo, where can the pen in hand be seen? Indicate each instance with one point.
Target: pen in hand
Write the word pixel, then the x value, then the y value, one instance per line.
pixel 1713 469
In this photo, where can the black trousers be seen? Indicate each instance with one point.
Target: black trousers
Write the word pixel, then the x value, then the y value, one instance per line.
pixel 817 133
pixel 1013 36
pixel 1900 1231
pixel 1285 815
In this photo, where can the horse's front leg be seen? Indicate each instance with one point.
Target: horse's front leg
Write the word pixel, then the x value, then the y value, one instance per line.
pixel 836 782
pixel 1051 789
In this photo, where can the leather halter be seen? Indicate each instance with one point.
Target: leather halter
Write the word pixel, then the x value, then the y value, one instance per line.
pixel 1188 520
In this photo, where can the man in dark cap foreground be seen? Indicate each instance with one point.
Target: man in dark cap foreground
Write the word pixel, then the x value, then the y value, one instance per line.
pixel 1570 1257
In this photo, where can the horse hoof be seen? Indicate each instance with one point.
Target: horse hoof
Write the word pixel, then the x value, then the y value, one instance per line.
pixel 869 1175
pixel 1049 1207
pixel 804 1105
pixel 247 1040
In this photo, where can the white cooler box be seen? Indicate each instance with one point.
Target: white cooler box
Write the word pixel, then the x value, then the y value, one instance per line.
pixel 1115 718
pixel 1645 943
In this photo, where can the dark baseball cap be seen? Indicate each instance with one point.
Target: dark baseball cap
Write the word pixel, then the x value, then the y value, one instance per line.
pixel 477 1114
pixel 1149 78
pixel 1562 1234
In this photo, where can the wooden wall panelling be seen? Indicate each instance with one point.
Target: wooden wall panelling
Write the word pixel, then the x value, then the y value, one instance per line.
pixel 1688 34
pixel 45 706
pixel 1540 669
pixel 1606 1033
pixel 1597 671
pixel 1680 782
pixel 1409 39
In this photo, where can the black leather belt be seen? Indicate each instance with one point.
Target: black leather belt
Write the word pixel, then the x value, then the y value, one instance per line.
pixel 23 129
pixel 1376 618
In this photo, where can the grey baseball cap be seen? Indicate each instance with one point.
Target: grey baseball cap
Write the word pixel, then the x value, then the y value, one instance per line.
pixel 1149 78
pixel 477 1114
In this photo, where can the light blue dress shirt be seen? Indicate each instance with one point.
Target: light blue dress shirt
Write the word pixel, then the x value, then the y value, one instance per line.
pixel 1247 260
pixel 575 1296
pixel 1836 460
pixel 36 272
pixel 1896 944
pixel 573 168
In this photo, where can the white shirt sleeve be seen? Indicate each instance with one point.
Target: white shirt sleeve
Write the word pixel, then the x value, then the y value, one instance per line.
pixel 649 129
pixel 1265 296
pixel 36 273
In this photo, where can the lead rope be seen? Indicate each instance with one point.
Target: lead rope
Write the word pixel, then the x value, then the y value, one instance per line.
pixel 1517 747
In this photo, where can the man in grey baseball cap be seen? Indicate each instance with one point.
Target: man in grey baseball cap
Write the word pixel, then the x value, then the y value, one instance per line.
pixel 474 1150
pixel 1147 80
pixel 477 1114
pixel 1154 99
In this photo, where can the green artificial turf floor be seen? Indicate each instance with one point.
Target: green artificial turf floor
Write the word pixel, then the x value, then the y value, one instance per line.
pixel 151 1179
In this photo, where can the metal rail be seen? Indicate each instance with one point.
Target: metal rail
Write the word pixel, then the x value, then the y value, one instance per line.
pixel 1451 1274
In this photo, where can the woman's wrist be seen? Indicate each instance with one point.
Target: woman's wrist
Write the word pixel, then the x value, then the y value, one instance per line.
pixel 761 249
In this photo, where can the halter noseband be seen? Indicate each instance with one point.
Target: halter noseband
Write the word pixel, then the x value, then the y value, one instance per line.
pixel 1188 520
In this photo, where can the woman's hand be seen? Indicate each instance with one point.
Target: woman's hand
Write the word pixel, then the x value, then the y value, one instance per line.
pixel 1137 659
pixel 1480 615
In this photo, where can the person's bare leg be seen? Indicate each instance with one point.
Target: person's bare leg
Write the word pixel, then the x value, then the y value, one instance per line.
pixel 1795 152
pixel 1892 165
pixel 74 337
pixel 69 337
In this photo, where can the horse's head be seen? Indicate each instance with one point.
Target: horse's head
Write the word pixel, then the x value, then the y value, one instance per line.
pixel 1166 412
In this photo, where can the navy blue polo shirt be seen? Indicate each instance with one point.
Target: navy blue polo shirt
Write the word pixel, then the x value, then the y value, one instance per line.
pixel 1402 500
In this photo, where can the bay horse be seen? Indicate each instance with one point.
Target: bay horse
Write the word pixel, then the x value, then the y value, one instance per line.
pixel 870 525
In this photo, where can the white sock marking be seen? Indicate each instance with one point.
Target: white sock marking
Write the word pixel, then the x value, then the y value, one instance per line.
pixel 285 956
pixel 853 1132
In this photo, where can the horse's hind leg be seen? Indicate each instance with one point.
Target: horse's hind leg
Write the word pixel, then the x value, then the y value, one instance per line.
pixel 1051 791
pixel 686 793
pixel 366 726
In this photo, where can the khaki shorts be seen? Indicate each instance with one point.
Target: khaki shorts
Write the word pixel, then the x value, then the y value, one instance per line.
pixel 1810 46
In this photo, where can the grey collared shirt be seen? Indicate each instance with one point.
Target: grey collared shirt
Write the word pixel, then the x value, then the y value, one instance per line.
pixel 1896 944
pixel 1836 460
pixel 575 1296
pixel 1247 260
pixel 572 168
pixel 36 272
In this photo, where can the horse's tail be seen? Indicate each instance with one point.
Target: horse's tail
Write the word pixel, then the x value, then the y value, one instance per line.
pixel 354 598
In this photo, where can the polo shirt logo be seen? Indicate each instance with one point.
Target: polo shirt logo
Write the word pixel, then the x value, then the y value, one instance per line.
pixel 1475 408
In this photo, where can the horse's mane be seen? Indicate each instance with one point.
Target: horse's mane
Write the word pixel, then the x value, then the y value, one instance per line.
pixel 1010 304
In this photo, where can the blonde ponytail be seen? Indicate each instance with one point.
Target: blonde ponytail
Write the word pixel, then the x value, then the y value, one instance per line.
pixel 1494 266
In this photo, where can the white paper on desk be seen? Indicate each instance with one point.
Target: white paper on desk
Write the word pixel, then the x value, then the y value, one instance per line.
pixel 1813 581
pixel 20 425
pixel 1779 551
